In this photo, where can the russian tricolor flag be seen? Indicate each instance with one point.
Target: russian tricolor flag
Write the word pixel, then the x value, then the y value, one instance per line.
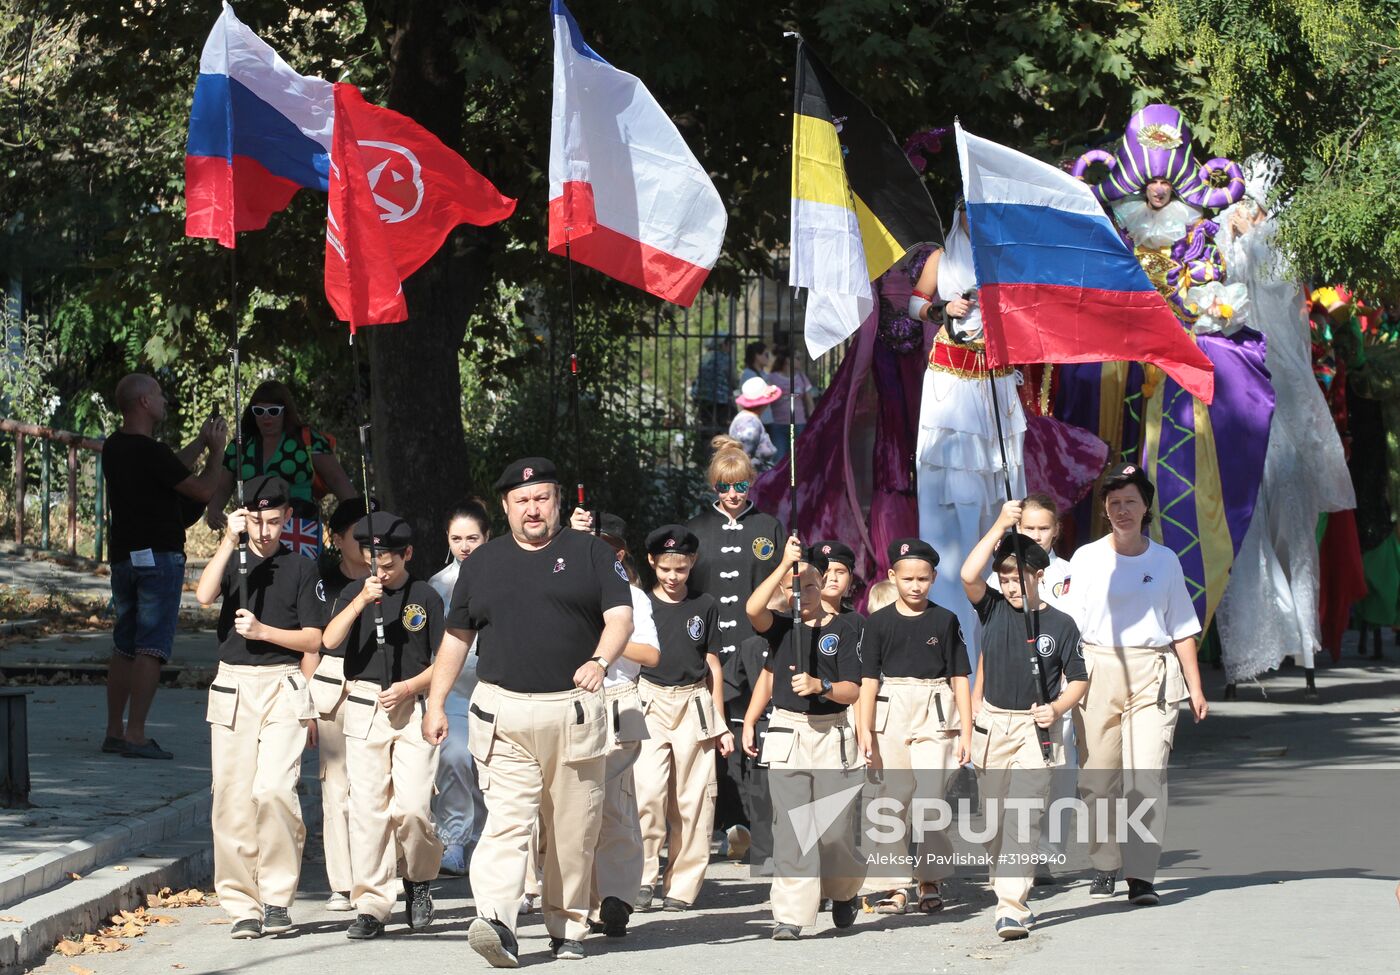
pixel 626 195
pixel 258 133
pixel 1055 280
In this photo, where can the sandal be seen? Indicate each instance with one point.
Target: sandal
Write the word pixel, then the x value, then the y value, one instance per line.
pixel 889 905
pixel 930 900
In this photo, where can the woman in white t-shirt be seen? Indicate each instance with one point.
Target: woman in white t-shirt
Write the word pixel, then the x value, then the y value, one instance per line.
pixel 459 808
pixel 1139 627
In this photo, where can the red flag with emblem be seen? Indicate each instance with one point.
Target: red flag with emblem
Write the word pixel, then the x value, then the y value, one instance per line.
pixel 401 193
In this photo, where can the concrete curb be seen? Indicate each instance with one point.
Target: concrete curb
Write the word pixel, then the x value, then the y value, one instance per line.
pixel 48 870
pixel 85 905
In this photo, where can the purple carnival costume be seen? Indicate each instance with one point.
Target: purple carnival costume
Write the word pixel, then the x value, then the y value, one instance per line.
pixel 1207 462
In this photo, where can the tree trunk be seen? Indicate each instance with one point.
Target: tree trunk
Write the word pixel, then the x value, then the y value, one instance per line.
pixel 418 450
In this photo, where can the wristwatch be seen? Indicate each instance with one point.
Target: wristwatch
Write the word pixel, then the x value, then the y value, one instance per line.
pixel 826 687
pixel 600 662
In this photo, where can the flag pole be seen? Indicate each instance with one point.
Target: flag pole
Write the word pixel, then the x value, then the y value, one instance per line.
pixel 385 677
pixel 237 419
pixel 1032 617
pixel 573 372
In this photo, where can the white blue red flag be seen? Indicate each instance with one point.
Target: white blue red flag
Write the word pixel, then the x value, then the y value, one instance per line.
pixel 303 536
pixel 258 133
pixel 1055 280
pixel 626 195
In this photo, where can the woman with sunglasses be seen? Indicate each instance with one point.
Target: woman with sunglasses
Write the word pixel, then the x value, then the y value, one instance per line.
pixel 739 546
pixel 276 441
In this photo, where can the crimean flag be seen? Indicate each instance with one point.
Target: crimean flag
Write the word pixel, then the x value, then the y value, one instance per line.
pixel 397 192
pixel 1055 280
pixel 258 133
pixel 857 203
pixel 626 195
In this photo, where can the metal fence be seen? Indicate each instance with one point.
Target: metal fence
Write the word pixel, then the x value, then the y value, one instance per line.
pixel 675 419
pixel 82 490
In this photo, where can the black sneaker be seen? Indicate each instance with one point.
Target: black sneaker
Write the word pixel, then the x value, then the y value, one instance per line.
pixel 276 919
pixel 364 927
pixel 148 750
pixel 493 941
pixel 786 932
pixel 613 915
pixel 565 949
pixel 1010 929
pixel 113 746
pixel 1142 893
pixel 418 903
pixel 1102 885
pixel 644 897
pixel 843 913
pixel 674 904
pixel 247 929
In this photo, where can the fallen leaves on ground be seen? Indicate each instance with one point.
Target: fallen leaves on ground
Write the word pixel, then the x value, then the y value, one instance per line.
pixel 121 868
pixel 11 919
pixel 73 876
pixel 80 970
pixel 133 924
pixel 90 944
pixel 193 897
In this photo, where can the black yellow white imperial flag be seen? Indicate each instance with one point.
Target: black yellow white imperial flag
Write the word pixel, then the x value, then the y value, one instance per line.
pixel 857 204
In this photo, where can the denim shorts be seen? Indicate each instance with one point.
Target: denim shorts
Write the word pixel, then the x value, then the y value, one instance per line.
pixel 147 602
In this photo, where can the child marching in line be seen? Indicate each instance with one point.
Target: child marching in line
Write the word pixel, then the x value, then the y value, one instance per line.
pixel 812 686
pixel 683 699
pixel 1010 721
pixel 260 712
pixel 391 766
pixel 916 717
pixel 839 580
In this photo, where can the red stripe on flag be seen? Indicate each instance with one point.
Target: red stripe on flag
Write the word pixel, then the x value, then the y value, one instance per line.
pixel 616 254
pixel 222 199
pixel 1026 323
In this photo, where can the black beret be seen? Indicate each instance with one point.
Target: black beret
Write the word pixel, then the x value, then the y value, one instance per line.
pixel 527 470
pixel 1035 558
pixel 816 560
pixel 1121 475
pixel 672 540
pixel 265 491
pixel 834 552
pixel 391 533
pixel 912 548
pixel 348 512
pixel 611 525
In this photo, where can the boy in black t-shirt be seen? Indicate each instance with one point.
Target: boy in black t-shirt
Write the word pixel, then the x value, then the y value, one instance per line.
pixel 391 767
pixel 259 711
pixel 1014 683
pixel 683 698
pixel 812 681
pixel 915 718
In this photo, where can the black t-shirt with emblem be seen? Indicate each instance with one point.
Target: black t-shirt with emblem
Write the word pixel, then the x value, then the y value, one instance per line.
pixel 284 591
pixel 333 583
pixel 413 625
pixel 927 646
pixel 1007 679
pixel 831 652
pixel 686 632
pixel 734 557
pixel 537 613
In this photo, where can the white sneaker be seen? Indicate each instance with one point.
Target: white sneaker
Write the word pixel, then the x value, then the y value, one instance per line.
pixel 528 904
pixel 739 842
pixel 339 902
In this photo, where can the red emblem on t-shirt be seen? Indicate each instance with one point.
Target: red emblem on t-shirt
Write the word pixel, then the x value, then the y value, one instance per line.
pixel 558 565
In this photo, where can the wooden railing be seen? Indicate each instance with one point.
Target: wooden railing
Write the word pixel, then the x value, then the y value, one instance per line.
pixel 74 442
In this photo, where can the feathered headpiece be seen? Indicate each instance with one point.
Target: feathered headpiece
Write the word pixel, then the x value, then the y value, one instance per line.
pixel 1157 145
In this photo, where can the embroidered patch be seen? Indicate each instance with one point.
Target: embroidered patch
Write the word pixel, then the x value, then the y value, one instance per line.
pixel 321 590
pixel 1060 588
pixel 828 644
pixel 558 565
pixel 1045 645
pixel 695 626
pixel 621 572
pixel 763 548
pixel 1146 580
pixel 414 617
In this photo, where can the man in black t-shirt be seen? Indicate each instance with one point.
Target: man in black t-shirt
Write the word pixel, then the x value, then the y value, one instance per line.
pixel 916 717
pixel 550 611
pixel 148 487
pixel 260 711
pixel 1018 699
pixel 811 680
pixel 683 699
pixel 391 767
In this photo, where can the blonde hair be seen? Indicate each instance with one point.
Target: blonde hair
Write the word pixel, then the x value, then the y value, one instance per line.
pixel 730 464
pixel 882 594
